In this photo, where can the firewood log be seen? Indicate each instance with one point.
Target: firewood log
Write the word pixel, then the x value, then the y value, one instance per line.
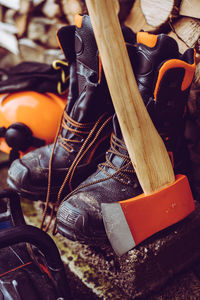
pixel 188 31
pixel 21 17
pixel 136 20
pixel 71 8
pixel 158 12
pixel 190 8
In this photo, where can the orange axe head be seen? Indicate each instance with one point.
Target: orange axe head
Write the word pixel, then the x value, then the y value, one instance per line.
pixel 131 221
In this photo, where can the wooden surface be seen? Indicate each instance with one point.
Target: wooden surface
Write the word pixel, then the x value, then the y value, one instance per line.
pixel 146 149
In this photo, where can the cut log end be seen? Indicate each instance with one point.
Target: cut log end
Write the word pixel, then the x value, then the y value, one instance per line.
pixel 158 12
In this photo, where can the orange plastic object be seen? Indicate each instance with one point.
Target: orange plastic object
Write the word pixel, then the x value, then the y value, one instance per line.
pixel 147 39
pixel 40 112
pixel 176 63
pixel 147 215
pixel 78 19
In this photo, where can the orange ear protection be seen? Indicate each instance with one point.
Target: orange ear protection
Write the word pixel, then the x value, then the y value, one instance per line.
pixel 19 137
pixel 28 120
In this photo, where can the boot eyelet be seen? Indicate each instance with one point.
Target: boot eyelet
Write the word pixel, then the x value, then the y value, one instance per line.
pixel 71 150
pixel 82 140
pixel 93 78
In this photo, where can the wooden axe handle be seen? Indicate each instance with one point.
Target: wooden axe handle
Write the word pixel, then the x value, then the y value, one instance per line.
pixel 145 147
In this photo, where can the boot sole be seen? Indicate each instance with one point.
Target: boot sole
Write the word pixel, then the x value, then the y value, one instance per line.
pixel 40 193
pixel 36 193
pixel 75 236
pixel 73 223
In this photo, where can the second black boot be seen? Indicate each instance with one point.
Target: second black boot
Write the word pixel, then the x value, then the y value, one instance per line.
pixel 164 78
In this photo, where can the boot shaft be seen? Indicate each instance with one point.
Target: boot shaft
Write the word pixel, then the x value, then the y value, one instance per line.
pixel 89 96
pixel 88 92
pixel 164 77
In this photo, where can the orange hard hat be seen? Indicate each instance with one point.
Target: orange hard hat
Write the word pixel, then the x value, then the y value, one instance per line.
pixel 36 116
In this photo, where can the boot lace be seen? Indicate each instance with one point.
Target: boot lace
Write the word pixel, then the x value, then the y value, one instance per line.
pixel 71 126
pixel 88 129
pixel 121 174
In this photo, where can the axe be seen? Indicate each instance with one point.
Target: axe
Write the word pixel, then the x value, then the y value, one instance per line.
pixel 166 199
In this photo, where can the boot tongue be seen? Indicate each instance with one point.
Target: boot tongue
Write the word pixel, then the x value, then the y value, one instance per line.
pixel 87 59
pixel 83 101
pixel 85 43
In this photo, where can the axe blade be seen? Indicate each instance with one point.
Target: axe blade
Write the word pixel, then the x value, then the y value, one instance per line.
pixel 117 228
pixel 129 222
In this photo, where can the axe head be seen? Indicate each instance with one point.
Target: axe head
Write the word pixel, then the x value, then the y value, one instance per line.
pixel 129 222
pixel 117 229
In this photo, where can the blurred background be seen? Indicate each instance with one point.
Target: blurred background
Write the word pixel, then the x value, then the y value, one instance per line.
pixel 28 28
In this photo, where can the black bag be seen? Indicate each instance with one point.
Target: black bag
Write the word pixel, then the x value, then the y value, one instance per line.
pixel 35 76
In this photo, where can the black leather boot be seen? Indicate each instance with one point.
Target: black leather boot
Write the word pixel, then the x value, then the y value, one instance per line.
pixel 164 78
pixel 86 124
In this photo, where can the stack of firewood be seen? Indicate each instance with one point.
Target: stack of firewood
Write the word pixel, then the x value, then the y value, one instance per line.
pixel 28 27
pixel 35 22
